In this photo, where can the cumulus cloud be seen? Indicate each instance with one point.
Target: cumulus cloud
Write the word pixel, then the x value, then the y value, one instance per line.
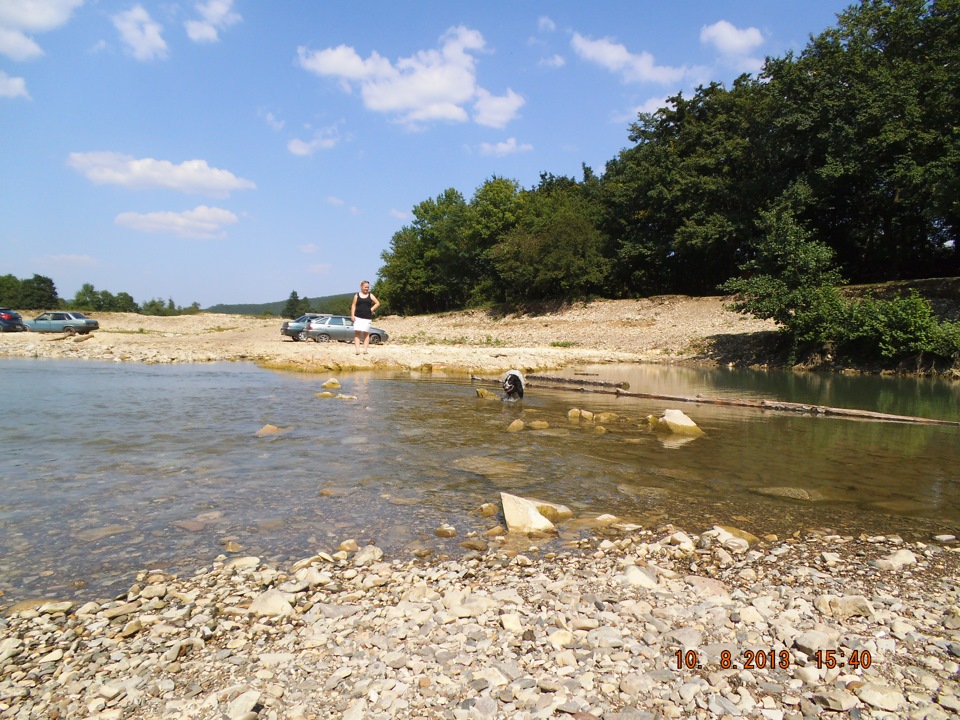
pixel 18 19
pixel 428 86
pixel 400 215
pixel 734 44
pixel 192 176
pixel 203 222
pixel 325 139
pixel 275 122
pixel 140 33
pixel 545 24
pixel 320 269
pixel 496 111
pixel 650 106
pixel 333 200
pixel 632 67
pixel 554 61
pixel 12 87
pixel 216 15
pixel 308 249
pixel 509 147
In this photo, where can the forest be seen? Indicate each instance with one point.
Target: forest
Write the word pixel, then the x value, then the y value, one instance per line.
pixel 854 141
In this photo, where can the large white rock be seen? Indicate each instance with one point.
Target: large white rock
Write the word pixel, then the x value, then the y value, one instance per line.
pixel 675 421
pixel 522 515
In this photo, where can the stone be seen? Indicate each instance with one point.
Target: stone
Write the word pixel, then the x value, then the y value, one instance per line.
pixel 676 422
pixel 331 384
pixel 523 516
pixel 845 607
pixel 267 430
pixel 895 560
pixel 272 603
pixel 880 696
pixel 516 426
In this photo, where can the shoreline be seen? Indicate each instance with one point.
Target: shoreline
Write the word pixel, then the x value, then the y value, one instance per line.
pixel 628 623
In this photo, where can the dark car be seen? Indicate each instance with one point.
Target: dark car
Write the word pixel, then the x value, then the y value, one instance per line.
pixel 297 328
pixel 10 321
pixel 338 327
pixel 70 323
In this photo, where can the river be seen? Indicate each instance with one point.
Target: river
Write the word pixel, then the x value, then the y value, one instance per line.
pixel 108 468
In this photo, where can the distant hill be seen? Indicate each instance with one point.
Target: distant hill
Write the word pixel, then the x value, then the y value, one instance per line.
pixel 333 304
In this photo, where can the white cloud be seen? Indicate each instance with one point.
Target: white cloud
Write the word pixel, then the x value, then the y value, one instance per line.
pixel 217 15
pixel 650 106
pixel 191 176
pixel 72 261
pixel 545 24
pixel 735 45
pixel 428 86
pixel 320 269
pixel 12 87
pixel 308 249
pixel 494 111
pixel 274 122
pixel 202 222
pixel 332 200
pixel 554 61
pixel 325 139
pixel 510 147
pixel 140 33
pixel 20 17
pixel 631 67
pixel 399 215
pixel 730 40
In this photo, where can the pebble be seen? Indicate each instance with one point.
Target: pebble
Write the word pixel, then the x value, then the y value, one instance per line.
pixel 629 625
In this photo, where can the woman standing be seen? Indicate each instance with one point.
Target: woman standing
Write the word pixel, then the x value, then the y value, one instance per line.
pixel 361 312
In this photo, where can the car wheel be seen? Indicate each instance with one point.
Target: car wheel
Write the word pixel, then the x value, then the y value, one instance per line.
pixel 302 335
pixel 374 339
pixel 69 330
pixel 323 337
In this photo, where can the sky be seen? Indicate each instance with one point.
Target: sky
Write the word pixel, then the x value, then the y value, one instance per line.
pixel 234 151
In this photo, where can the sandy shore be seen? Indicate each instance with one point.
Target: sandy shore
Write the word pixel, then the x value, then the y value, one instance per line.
pixel 666 329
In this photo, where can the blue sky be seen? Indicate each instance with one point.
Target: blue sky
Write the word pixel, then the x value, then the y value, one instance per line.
pixel 228 151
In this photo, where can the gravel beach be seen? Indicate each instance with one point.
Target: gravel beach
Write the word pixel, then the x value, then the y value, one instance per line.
pixel 611 621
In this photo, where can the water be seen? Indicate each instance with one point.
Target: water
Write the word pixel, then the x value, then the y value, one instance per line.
pixel 108 468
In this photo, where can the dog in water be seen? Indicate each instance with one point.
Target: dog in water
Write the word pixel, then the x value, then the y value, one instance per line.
pixel 513 385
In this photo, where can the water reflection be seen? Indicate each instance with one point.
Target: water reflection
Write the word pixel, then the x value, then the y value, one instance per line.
pixel 106 468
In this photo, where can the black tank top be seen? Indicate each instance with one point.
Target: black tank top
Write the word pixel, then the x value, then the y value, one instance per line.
pixel 364 307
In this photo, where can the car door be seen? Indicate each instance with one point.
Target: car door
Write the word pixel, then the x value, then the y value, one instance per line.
pixel 43 322
pixel 335 325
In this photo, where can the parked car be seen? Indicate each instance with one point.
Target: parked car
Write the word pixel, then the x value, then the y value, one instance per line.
pixel 62 322
pixel 338 327
pixel 297 328
pixel 10 321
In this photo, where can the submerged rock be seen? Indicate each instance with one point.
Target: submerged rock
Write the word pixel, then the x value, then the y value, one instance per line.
pixel 523 516
pixel 676 422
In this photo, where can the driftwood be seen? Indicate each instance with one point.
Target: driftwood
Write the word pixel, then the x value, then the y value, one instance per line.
pixel 611 388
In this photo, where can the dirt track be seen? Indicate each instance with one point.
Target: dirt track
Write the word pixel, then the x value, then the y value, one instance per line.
pixel 662 329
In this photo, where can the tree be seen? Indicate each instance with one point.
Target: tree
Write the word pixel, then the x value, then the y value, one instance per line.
pixel 38 293
pixel 10 291
pixel 296 306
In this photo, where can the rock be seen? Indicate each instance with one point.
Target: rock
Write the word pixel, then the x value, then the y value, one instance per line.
pixel 895 560
pixel 812 641
pixel 331 384
pixel 640 577
pixel 272 603
pixel 516 426
pixel 880 696
pixel 794 493
pixel 367 555
pixel 490 467
pixel 676 422
pixel 523 516
pixel 445 531
pixel 486 394
pixel 267 430
pixel 845 607
pixel 539 425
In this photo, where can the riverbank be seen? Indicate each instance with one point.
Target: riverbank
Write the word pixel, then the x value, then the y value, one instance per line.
pixel 628 624
pixel 670 329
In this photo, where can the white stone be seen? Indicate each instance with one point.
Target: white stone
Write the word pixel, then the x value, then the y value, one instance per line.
pixel 522 515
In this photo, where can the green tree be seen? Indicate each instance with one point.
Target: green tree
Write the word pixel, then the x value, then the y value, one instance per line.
pixel 495 209
pixel 39 293
pixel 87 298
pixel 556 250
pixel 125 303
pixel 296 306
pixel 10 291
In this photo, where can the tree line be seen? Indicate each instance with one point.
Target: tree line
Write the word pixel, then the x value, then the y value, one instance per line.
pixel 850 147
pixel 40 293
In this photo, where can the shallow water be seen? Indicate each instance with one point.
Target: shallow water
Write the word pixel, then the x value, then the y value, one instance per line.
pixel 107 468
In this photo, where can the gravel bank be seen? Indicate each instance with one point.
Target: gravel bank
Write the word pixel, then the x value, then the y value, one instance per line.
pixel 666 329
pixel 631 624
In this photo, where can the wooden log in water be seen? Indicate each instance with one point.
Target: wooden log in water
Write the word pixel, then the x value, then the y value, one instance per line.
pixel 609 388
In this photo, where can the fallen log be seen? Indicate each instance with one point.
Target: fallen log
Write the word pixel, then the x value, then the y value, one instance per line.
pixel 576 385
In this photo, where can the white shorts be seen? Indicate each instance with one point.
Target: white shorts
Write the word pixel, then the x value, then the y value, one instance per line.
pixel 362 325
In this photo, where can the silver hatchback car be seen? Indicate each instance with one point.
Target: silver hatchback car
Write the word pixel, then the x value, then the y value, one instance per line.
pixel 339 327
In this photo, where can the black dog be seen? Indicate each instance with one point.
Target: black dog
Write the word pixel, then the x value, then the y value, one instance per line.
pixel 513 385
